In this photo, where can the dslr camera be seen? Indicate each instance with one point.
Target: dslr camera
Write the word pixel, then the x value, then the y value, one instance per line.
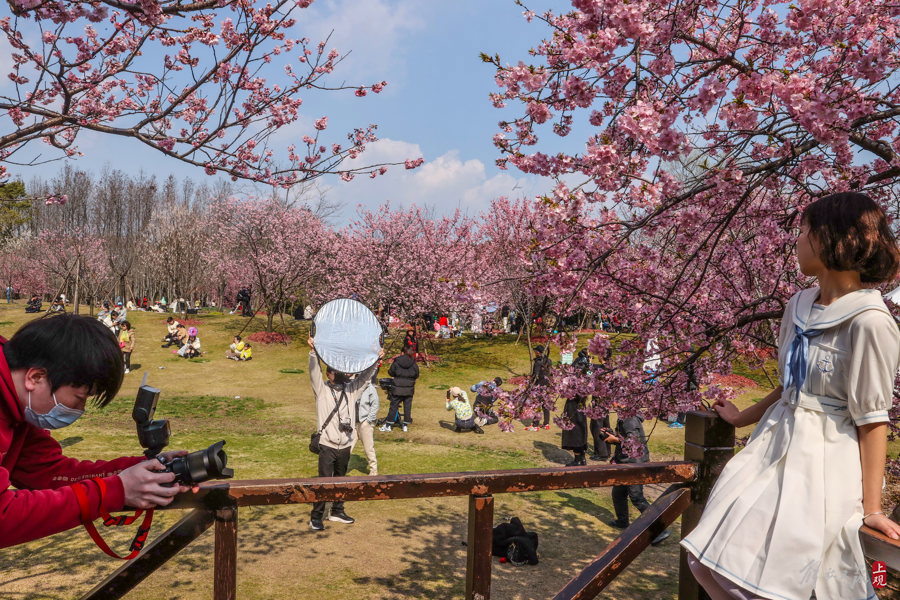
pixel 153 436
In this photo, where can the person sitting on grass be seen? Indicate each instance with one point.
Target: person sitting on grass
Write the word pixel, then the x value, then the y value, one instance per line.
pixel 246 353
pixel 235 349
pixel 34 304
pixel 458 402
pixel 171 332
pixel 191 347
pixel 181 335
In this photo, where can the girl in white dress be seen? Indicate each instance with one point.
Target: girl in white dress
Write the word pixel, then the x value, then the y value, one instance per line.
pixel 783 519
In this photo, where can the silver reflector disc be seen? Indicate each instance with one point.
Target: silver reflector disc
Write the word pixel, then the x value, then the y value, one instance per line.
pixel 347 335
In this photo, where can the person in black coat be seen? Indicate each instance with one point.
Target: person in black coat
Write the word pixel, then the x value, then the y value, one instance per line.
pixel 575 439
pixel 405 371
pixel 628 427
pixel 621 494
pixel 598 427
pixel 540 375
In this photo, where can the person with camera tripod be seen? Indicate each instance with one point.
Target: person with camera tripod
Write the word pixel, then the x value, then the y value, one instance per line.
pixel 48 370
pixel 336 402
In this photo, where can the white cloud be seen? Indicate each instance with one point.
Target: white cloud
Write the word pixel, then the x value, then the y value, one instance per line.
pixel 371 30
pixel 443 184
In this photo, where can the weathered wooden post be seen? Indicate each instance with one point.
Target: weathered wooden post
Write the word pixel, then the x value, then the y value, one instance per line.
pixel 225 569
pixel 478 559
pixel 709 441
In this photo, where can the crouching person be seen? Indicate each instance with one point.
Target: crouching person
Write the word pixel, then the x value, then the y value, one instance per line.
pixel 191 347
pixel 49 369
pixel 458 402
pixel 336 401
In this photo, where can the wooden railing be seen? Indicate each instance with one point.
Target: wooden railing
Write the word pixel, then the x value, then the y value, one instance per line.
pixel 709 443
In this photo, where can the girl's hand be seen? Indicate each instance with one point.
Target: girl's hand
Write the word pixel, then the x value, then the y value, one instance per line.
pixel 728 411
pixel 884 525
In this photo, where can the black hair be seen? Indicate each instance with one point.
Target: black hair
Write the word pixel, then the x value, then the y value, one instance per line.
pixel 74 350
pixel 854 236
pixel 126 325
pixel 237 337
pixel 407 348
pixel 498 381
pixel 338 375
pixel 169 319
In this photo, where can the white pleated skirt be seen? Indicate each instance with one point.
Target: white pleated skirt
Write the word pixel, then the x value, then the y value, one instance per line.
pixel 783 519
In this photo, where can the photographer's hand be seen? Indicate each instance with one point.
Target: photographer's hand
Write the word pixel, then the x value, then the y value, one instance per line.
pixel 168 455
pixel 312 344
pixel 143 484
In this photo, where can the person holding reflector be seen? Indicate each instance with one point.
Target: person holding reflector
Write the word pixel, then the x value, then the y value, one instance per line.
pixel 347 337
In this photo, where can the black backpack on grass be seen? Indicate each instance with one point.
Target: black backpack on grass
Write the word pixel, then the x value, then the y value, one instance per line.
pixel 512 542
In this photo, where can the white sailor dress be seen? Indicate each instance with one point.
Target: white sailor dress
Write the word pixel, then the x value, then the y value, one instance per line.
pixel 783 518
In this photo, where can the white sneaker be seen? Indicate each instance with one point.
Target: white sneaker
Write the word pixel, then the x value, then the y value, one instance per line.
pixel 128 370
pixel 384 427
pixel 404 428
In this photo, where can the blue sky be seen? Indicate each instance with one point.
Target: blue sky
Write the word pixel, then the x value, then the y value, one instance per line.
pixel 435 105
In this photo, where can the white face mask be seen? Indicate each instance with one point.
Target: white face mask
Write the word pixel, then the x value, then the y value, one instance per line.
pixel 59 416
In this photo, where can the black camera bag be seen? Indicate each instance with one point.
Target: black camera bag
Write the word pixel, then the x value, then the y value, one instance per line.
pixel 512 542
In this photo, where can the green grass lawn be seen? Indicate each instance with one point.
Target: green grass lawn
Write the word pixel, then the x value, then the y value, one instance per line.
pixel 264 410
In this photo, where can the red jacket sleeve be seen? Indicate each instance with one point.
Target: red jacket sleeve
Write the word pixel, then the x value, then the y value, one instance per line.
pixel 45 502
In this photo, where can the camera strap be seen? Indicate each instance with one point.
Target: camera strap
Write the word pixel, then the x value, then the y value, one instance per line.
pixel 337 406
pixel 137 544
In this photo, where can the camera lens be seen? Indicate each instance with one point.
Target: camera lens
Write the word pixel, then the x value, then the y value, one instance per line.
pixel 202 465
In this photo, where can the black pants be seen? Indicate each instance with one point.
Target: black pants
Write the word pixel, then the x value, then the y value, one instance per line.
pixel 127 357
pixel 601 447
pixel 537 420
pixel 332 463
pixel 395 408
pixel 621 494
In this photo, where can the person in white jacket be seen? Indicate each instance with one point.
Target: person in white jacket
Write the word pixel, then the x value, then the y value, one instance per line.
pixel 367 413
pixel 337 395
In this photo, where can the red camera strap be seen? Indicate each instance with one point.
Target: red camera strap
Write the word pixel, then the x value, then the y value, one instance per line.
pixel 137 544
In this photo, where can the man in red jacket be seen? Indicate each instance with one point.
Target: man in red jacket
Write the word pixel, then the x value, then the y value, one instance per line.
pixel 48 370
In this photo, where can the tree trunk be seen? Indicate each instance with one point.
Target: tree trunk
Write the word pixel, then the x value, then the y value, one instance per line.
pixel 75 296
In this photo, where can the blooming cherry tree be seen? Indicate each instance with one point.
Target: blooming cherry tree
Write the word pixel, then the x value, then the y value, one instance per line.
pixel 704 127
pixel 206 82
pixel 279 250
